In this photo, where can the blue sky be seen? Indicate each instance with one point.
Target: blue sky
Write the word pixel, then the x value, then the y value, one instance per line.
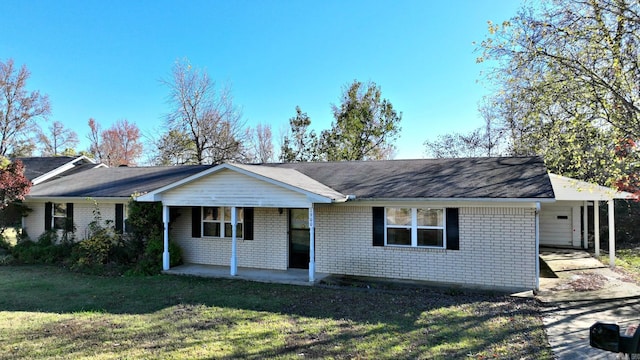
pixel 105 59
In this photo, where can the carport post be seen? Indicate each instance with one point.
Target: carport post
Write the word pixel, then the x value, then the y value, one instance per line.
pixel 165 253
pixel 234 242
pixel 596 225
pixel 612 235
pixel 585 225
pixel 312 245
pixel 537 246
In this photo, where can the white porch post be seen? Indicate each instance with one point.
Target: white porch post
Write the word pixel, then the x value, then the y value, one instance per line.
pixel 165 253
pixel 596 225
pixel 537 246
pixel 612 235
pixel 234 242
pixel 312 246
pixel 585 225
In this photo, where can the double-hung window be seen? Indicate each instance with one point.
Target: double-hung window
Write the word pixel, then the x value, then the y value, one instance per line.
pixel 216 222
pixel 59 216
pixel 416 227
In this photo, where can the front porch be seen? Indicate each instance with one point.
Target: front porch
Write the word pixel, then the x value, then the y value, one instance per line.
pixel 289 276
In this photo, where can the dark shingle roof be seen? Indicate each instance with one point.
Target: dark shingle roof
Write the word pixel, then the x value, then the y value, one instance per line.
pixel 38 166
pixel 468 178
pixel 114 182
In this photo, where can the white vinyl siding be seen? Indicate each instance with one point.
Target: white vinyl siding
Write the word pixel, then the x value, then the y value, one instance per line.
pixel 230 188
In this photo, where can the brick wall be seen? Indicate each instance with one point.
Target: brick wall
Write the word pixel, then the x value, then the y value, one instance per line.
pixel 82 216
pixel 497 249
pixel 268 249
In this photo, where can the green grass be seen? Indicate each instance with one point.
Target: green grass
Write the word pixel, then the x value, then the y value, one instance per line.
pixel 48 312
pixel 628 259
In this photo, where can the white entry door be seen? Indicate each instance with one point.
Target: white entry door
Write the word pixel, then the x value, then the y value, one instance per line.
pixel 556 226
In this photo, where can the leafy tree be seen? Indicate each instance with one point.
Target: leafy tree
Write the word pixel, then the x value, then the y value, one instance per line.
pixel 301 144
pixel 13 184
pixel 19 109
pixel 175 148
pixel 59 140
pixel 567 81
pixel 207 114
pixel 118 145
pixel 365 125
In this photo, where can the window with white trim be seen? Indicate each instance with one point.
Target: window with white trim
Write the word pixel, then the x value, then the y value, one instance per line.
pixel 216 222
pixel 416 227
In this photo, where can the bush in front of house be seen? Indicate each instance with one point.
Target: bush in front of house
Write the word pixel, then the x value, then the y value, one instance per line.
pixel 105 251
pixel 151 261
pixel 48 249
pixel 145 226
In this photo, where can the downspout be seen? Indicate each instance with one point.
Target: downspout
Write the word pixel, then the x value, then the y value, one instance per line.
pixel 537 247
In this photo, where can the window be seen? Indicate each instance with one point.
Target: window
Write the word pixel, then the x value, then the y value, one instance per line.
pixel 216 222
pixel 59 216
pixel 417 227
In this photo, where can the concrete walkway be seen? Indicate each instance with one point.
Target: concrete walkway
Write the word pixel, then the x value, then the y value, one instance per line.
pixel 585 291
pixel 289 276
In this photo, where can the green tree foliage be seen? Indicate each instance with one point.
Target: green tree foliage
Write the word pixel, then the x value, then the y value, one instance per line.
pixel 301 144
pixel 146 234
pixel 175 148
pixel 567 80
pixel 365 125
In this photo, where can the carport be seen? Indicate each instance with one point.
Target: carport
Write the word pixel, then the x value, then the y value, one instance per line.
pixel 560 222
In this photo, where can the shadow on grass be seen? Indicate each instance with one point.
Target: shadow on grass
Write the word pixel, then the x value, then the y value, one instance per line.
pixel 316 322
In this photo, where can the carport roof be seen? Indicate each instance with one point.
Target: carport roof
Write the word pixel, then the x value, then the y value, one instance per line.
pixel 568 189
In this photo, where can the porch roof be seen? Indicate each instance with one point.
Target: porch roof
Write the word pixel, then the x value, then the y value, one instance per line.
pixel 281 177
pixel 568 189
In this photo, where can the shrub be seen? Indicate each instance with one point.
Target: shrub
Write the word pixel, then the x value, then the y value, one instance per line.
pixel 98 248
pixel 46 250
pixel 4 243
pixel 151 261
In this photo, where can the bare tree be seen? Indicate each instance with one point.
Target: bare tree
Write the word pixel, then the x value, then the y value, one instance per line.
pixel 59 140
pixel 261 144
pixel 206 113
pixel 118 145
pixel 19 108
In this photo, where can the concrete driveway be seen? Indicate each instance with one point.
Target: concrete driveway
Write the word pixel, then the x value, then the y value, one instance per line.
pixel 582 292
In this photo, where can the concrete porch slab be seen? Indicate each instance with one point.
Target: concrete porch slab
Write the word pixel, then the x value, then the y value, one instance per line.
pixel 290 276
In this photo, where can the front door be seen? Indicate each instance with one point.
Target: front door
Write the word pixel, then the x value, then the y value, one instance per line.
pixel 299 238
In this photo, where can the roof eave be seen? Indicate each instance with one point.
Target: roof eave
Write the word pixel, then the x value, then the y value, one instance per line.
pixel 498 200
pixel 62 198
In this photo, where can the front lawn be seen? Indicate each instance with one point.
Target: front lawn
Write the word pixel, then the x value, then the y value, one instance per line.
pixel 628 259
pixel 48 312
